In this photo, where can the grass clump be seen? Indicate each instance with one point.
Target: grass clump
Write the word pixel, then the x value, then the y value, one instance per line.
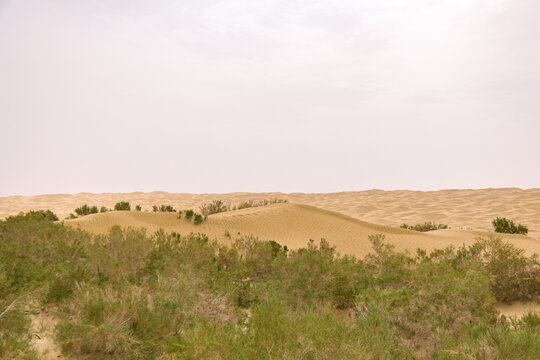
pixel 122 206
pixel 427 226
pixel 503 225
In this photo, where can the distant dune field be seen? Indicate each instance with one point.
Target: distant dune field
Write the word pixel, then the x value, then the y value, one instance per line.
pixel 461 209
pixel 345 219
pixel 293 225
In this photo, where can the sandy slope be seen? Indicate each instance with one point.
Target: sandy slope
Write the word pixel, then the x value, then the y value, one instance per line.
pixel 461 209
pixel 293 225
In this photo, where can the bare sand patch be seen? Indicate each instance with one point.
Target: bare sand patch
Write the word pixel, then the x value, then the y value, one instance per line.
pixel 518 309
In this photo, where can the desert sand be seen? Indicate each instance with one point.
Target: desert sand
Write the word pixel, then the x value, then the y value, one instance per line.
pixel 345 219
pixel 294 225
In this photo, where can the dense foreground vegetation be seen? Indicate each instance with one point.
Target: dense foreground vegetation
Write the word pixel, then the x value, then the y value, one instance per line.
pixel 129 295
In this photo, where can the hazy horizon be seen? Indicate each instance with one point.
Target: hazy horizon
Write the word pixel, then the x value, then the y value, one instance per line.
pixel 268 96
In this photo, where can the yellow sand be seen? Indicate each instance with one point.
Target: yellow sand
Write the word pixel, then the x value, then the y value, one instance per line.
pixel 293 225
pixel 467 212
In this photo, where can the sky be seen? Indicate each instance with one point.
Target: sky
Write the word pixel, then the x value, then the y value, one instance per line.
pixel 207 96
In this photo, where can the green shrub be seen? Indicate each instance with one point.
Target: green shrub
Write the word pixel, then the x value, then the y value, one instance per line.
pixel 189 214
pixel 427 226
pixel 253 203
pixel 197 219
pixel 163 208
pixel 503 225
pixel 59 289
pixel 36 216
pixel 214 207
pixel 122 206
pixel 513 275
pixel 275 331
pixel 15 333
pixel 103 209
pixel 138 208
pixel 86 210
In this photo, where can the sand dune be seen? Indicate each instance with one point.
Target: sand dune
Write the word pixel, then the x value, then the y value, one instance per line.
pixel 346 221
pixel 461 209
pixel 293 225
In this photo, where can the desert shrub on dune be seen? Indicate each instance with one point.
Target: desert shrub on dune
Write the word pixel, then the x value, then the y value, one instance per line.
pixel 214 207
pixel 189 214
pixel 217 206
pixel 503 225
pixel 427 226
pixel 163 208
pixel 253 203
pixel 122 206
pixel 197 219
pixel 103 209
pixel 86 210
pixel 138 208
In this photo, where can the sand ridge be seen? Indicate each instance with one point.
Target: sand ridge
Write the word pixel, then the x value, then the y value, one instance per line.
pixel 460 209
pixel 293 225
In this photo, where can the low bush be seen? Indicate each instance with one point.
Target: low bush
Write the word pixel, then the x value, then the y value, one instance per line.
pixel 163 208
pixel 513 276
pixel 103 209
pixel 503 225
pixel 214 207
pixel 34 216
pixel 189 214
pixel 122 206
pixel 218 206
pixel 253 203
pixel 427 226
pixel 86 210
pixel 197 219
pixel 138 208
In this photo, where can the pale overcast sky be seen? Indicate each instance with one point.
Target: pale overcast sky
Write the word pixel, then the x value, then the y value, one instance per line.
pixel 267 95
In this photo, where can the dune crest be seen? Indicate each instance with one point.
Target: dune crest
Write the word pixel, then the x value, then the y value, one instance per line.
pixel 293 225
